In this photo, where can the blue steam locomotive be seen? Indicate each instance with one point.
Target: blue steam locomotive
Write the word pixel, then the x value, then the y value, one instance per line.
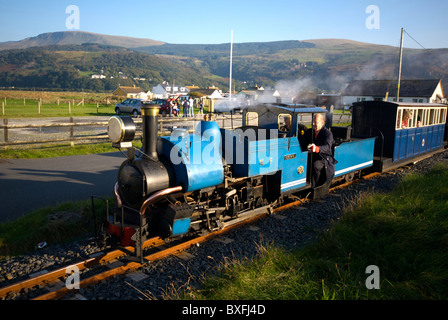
pixel 207 180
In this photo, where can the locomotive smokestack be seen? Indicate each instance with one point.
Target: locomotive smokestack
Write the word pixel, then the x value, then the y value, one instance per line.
pixel 150 115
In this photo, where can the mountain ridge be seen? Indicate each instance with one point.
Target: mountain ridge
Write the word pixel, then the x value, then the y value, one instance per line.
pixel 81 37
pixel 77 37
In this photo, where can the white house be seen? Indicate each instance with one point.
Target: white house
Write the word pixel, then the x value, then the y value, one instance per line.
pixel 427 91
pixel 98 76
pixel 165 90
pixel 208 93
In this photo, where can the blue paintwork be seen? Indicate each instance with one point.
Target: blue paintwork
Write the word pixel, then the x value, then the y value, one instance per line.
pixel 181 226
pixel 196 158
pixel 354 156
pixel 263 157
pixel 293 170
pixel 414 141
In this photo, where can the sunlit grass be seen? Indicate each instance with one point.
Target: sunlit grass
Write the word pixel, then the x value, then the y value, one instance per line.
pixel 404 234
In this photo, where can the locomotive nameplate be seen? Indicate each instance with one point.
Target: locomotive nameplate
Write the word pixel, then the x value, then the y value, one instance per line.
pixel 290 156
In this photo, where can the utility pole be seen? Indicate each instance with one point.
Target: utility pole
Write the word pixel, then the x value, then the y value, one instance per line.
pixel 399 67
pixel 231 58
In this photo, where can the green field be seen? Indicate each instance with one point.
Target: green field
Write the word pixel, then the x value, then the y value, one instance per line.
pixel 17 108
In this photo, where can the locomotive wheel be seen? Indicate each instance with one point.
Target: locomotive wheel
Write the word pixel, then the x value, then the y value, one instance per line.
pixel 349 176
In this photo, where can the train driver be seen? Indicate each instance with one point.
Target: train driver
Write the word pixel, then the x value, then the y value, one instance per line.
pixel 319 140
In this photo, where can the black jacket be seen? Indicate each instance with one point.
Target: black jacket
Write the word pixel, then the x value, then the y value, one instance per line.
pixel 324 141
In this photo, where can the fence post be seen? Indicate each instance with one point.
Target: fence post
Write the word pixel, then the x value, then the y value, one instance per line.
pixel 71 128
pixel 3 108
pixel 69 108
pixel 5 122
pixel 72 142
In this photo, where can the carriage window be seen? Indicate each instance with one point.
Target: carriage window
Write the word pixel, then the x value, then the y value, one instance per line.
pixel 437 116
pixel 420 117
pixel 431 117
pixel 415 119
pixel 284 122
pixel 411 115
pixel 251 119
pixel 426 117
pixel 442 116
pixel 407 119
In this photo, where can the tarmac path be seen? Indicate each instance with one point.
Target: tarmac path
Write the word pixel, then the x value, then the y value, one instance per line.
pixel 30 184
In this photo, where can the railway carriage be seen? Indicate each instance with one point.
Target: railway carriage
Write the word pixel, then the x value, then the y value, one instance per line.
pixel 406 131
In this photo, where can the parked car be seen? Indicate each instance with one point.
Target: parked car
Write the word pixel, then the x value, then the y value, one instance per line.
pixel 165 107
pixel 130 106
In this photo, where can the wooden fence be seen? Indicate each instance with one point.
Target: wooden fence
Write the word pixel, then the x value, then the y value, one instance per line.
pixel 85 136
pixel 98 131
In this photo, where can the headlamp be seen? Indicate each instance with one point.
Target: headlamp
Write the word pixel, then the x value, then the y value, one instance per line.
pixel 121 131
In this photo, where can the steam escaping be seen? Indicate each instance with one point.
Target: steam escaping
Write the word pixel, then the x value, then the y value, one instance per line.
pixel 230 104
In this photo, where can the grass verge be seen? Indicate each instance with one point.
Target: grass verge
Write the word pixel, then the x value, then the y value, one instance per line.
pixel 61 150
pixel 404 234
pixel 56 151
pixel 53 225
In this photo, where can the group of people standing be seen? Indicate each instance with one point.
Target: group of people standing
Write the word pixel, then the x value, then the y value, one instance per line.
pixel 187 107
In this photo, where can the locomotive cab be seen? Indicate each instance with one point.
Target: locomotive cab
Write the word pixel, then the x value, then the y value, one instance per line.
pixel 285 126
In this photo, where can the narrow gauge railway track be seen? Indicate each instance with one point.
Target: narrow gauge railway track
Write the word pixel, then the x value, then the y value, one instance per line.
pixel 158 247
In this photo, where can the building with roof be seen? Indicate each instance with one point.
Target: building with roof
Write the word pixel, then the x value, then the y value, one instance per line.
pixel 165 90
pixel 130 92
pixel 427 91
pixel 207 93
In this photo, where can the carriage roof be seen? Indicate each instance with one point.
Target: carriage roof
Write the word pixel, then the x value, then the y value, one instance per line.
pixel 284 108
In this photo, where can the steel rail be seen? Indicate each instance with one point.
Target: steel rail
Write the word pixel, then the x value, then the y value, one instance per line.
pixel 54 275
pixel 131 266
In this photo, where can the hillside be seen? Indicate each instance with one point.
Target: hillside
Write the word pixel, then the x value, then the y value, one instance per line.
pixel 320 64
pixel 66 60
pixel 77 37
pixel 70 67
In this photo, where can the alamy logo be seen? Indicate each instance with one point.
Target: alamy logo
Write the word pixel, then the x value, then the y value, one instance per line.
pixel 373 281
pixel 373 21
pixel 72 281
pixel 72 22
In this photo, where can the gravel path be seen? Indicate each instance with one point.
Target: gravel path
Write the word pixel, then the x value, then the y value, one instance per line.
pixel 293 228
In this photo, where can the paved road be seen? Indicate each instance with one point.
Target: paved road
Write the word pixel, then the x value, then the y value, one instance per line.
pixel 30 184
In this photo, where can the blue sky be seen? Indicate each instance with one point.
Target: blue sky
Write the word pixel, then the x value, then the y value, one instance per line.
pixel 201 21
